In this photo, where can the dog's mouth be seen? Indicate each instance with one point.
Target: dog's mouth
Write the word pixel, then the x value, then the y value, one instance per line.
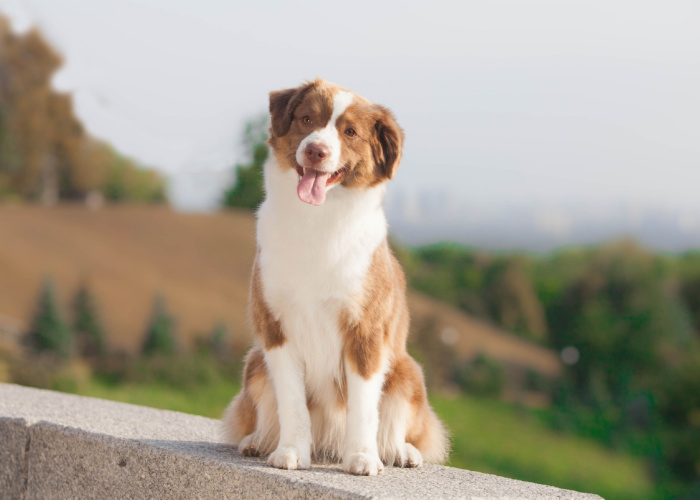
pixel 313 183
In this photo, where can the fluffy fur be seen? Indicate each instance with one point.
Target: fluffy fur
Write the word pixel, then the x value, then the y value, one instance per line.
pixel 329 376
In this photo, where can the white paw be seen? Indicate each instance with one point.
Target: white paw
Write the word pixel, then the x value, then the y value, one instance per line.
pixel 246 447
pixel 363 464
pixel 287 457
pixel 413 457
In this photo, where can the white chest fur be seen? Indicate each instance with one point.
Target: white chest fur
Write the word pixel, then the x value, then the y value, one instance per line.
pixel 313 262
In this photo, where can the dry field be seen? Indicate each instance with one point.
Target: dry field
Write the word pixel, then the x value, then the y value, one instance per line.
pixel 127 254
pixel 201 263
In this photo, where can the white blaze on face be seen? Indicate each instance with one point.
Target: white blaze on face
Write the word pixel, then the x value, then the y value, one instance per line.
pixel 327 136
pixel 313 184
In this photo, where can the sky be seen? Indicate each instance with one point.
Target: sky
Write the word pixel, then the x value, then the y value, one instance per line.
pixel 502 102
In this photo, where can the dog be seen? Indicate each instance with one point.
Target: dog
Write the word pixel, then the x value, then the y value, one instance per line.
pixel 329 377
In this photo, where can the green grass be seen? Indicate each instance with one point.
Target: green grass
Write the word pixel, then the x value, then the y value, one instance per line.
pixel 497 438
pixel 487 436
pixel 209 400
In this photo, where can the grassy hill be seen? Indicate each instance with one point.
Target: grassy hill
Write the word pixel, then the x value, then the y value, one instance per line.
pixel 201 263
pixel 128 254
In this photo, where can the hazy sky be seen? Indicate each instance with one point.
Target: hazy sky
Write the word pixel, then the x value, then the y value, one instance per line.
pixel 501 101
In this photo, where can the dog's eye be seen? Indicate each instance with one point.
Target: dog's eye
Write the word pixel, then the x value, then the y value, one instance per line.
pixel 350 132
pixel 306 120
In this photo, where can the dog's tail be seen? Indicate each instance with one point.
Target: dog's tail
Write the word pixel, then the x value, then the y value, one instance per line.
pixel 434 442
pixel 239 419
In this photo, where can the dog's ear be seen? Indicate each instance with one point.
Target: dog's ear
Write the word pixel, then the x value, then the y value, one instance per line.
pixel 282 106
pixel 387 143
pixel 280 112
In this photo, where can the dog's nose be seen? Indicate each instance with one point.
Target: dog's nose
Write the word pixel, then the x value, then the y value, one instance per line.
pixel 315 152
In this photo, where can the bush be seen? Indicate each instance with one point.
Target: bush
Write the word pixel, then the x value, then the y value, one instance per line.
pixel 46 371
pixel 437 358
pixel 483 377
pixel 217 343
pixel 181 371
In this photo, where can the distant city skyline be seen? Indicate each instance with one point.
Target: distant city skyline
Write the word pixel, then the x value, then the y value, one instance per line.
pixel 503 103
pixel 431 217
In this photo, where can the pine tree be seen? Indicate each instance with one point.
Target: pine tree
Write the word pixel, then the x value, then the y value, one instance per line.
pixel 49 332
pixel 160 336
pixel 89 331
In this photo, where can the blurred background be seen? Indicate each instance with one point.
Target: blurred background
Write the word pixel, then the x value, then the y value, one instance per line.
pixel 546 211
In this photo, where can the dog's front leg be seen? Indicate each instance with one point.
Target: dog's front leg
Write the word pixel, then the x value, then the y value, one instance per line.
pixel 287 374
pixel 360 454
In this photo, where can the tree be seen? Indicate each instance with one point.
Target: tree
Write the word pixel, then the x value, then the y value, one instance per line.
pixel 45 153
pixel 27 63
pixel 498 289
pixel 247 190
pixel 679 402
pixel 9 157
pixel 89 332
pixel 48 331
pixel 617 314
pixel 512 300
pixel 689 277
pixel 160 335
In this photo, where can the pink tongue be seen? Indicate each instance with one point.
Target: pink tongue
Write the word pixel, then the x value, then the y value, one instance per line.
pixel 312 186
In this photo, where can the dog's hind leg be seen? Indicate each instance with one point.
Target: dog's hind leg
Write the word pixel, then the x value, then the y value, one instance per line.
pixel 395 414
pixel 409 431
pixel 250 421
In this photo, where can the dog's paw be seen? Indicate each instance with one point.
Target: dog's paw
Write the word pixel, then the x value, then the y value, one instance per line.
pixel 287 457
pixel 413 457
pixel 405 455
pixel 246 447
pixel 363 464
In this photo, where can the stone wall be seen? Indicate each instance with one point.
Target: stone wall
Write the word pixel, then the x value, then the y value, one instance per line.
pixel 55 445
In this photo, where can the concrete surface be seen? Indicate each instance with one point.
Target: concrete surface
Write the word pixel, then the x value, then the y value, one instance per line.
pixel 55 445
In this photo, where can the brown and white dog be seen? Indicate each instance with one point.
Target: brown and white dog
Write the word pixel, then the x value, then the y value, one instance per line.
pixel 330 376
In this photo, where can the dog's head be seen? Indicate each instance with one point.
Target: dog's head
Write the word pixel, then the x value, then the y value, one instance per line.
pixel 333 137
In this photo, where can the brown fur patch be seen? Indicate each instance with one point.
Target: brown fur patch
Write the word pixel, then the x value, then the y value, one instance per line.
pixel 372 325
pixel 405 378
pixel 374 153
pixel 266 327
pixel 255 375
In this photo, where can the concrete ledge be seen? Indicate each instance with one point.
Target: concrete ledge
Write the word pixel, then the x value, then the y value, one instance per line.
pixel 56 445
